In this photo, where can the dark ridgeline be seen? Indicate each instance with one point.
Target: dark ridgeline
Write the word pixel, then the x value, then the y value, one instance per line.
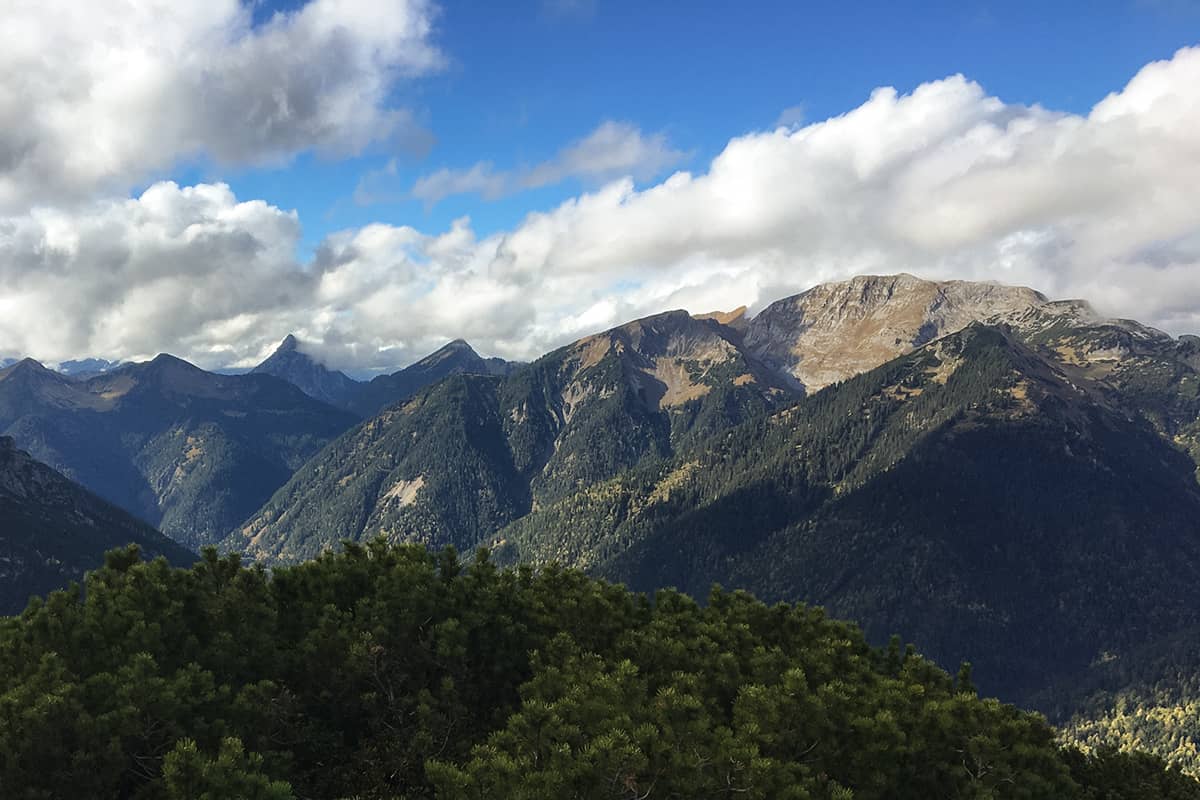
pixel 53 530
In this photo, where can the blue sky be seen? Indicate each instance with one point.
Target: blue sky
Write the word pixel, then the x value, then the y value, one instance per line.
pixel 378 177
pixel 526 77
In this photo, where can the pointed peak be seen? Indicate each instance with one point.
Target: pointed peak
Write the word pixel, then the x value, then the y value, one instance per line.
pixel 289 344
pixel 458 349
pixel 455 346
pixel 166 360
pixel 25 365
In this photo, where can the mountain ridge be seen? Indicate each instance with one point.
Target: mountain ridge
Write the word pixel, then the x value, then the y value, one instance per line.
pixel 179 447
pixel 656 382
pixel 54 530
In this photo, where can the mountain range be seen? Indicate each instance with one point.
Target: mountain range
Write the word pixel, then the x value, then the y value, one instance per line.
pixel 365 399
pixel 185 450
pixel 193 452
pixel 1002 477
pixel 647 390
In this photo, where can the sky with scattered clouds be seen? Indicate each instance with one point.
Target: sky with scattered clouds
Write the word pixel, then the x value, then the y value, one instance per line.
pixel 380 176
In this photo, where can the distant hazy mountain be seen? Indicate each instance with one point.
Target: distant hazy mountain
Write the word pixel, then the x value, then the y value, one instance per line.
pixel 454 358
pixel 313 378
pixel 86 367
pixel 189 451
pixel 52 530
pixel 365 399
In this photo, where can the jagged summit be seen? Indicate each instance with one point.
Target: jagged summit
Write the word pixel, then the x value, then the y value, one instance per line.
pixel 166 361
pixel 313 378
pixel 458 349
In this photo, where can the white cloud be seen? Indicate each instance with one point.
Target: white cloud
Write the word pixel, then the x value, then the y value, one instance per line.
pixel 945 181
pixel 613 150
pixel 102 94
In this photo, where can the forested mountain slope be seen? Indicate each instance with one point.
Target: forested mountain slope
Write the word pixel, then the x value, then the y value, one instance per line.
pixel 594 409
pixel 1019 494
pixel 472 453
pixel 189 451
pixel 973 495
pixel 52 530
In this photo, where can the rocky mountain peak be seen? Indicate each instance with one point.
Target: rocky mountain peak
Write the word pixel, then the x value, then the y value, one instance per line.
pixel 457 349
pixel 26 366
pixel 836 330
pixel 312 377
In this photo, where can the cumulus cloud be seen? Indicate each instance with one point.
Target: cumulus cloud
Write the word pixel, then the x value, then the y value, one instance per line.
pixel 99 95
pixel 945 181
pixel 612 150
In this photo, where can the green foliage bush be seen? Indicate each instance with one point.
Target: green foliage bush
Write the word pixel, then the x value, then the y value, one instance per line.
pixel 393 672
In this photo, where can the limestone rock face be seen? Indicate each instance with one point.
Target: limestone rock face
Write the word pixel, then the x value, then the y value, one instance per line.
pixel 837 330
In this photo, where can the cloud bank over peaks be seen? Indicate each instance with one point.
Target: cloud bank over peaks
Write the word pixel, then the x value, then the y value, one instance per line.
pixel 944 181
pixel 97 96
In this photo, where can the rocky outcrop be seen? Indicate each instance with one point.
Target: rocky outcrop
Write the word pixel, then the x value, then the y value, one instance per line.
pixel 837 330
